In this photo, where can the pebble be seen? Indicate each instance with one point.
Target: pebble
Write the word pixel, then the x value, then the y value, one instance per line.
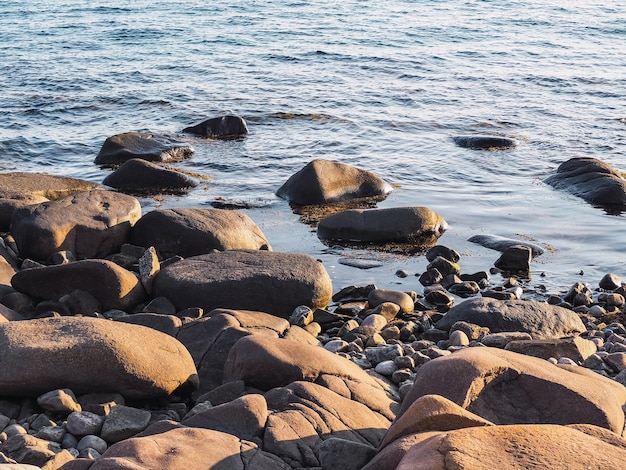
pixel 379 354
pixel 459 338
pixel 59 401
pixel 81 423
pixel 386 367
pixel 94 442
pixel 301 316
pixel 336 345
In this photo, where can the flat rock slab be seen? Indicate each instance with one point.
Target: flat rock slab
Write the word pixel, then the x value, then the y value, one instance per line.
pixel 152 147
pixel 498 243
pixel 191 232
pixel 539 319
pixel 90 224
pixel 484 142
pixel 326 182
pixel 223 127
pixel 138 176
pixel 112 285
pixel 508 447
pixel 265 281
pixel 90 355
pixel 509 388
pixel 397 224
pixel 592 180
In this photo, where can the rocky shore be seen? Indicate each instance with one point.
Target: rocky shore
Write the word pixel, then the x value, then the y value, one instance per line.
pixel 179 339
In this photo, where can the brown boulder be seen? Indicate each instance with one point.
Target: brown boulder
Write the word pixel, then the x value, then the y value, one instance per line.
pixel 112 285
pixel 576 348
pixel 397 224
pixel 509 388
pixel 90 224
pixel 90 355
pixel 325 181
pixel 191 232
pixel 138 176
pixel 155 148
pixel 266 281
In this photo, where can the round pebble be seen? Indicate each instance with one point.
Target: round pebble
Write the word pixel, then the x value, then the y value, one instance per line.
pixel 386 367
pixel 458 338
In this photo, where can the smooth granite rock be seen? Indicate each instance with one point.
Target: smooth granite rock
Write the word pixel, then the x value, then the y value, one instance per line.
pixel 138 176
pixel 222 127
pixel 152 147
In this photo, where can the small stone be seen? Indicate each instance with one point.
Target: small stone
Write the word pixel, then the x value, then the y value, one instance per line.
pixel 420 358
pixel 515 259
pixel 390 333
pixel 440 299
pixel 378 322
pixel 93 442
pixel 336 345
pixel 14 429
pixel 430 277
pixel 481 278
pixel 433 334
pixel 123 422
pixel 402 273
pixel 610 281
pixel 401 375
pixel 51 433
pixel 161 305
pixel 69 441
pixel 596 311
pixel 434 352
pixel 464 289
pixel 100 403
pixel 404 362
pixel 402 299
pixel 389 310
pixel 472 331
pixel 301 316
pixel 83 423
pixel 89 453
pixel 500 340
pixel 4 421
pixel 566 360
pixel 149 267
pixel 617 361
pixel 611 299
pixel 61 401
pixel 458 338
pixel 386 368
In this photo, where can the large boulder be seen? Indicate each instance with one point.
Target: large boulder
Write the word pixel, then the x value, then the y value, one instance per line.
pixel 539 319
pixel 138 176
pixel 325 181
pixel 484 142
pixel 514 446
pixel 191 232
pixel 267 281
pixel 112 285
pixel 23 189
pixel 90 224
pixel 509 388
pixel 184 447
pixel 223 127
pixel 591 179
pixel 397 224
pixel 91 355
pixel 152 147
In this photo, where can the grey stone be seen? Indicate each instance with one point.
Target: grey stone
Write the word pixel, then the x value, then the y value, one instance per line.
pixel 123 422
pixel 149 267
pixel 380 354
pixel 157 148
pixel 515 259
pixel 51 433
pixel 484 142
pixel 498 243
pixel 82 423
pixel 340 454
pixel 96 443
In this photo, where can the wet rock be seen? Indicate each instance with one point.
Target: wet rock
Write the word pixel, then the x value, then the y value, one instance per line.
pixel 506 388
pixel 190 232
pixel 123 422
pixel 539 319
pixel 90 224
pixel 499 243
pixel 515 259
pixel 112 285
pixel 89 354
pixel 378 297
pixel 272 282
pixel 325 181
pixel 443 251
pixel 222 127
pixel 138 176
pixel 610 281
pixel 592 180
pixel 59 401
pixel 397 224
pixel 484 142
pixel 152 147
pixel 577 349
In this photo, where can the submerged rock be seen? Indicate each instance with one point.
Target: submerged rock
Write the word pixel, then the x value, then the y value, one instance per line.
pixel 325 181
pixel 484 142
pixel 152 147
pixel 140 176
pixel 591 179
pixel 224 127
pixel 499 243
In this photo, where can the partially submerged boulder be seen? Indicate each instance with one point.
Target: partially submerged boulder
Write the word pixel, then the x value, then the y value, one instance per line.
pixel 539 319
pixel 398 224
pixel 223 127
pixel 90 224
pixel 138 176
pixel 91 355
pixel 498 243
pixel 326 182
pixel 191 232
pixel 112 285
pixel 152 147
pixel 484 142
pixel 249 280
pixel 591 179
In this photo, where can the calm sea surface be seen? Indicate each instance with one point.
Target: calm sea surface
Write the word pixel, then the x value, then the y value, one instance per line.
pixel 380 85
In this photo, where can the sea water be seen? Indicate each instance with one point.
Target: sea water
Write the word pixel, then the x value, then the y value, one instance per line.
pixel 380 85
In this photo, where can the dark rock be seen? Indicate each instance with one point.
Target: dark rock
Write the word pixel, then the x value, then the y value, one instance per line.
pixel 191 232
pixel 90 224
pixel 464 289
pixel 443 251
pixel 592 180
pixel 539 319
pixel 444 266
pixel 484 142
pixel 223 127
pixel 138 176
pixel 610 281
pixel 430 277
pixel 272 282
pixel 156 148
pixel 398 224
pixel 515 259
pixel 325 181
